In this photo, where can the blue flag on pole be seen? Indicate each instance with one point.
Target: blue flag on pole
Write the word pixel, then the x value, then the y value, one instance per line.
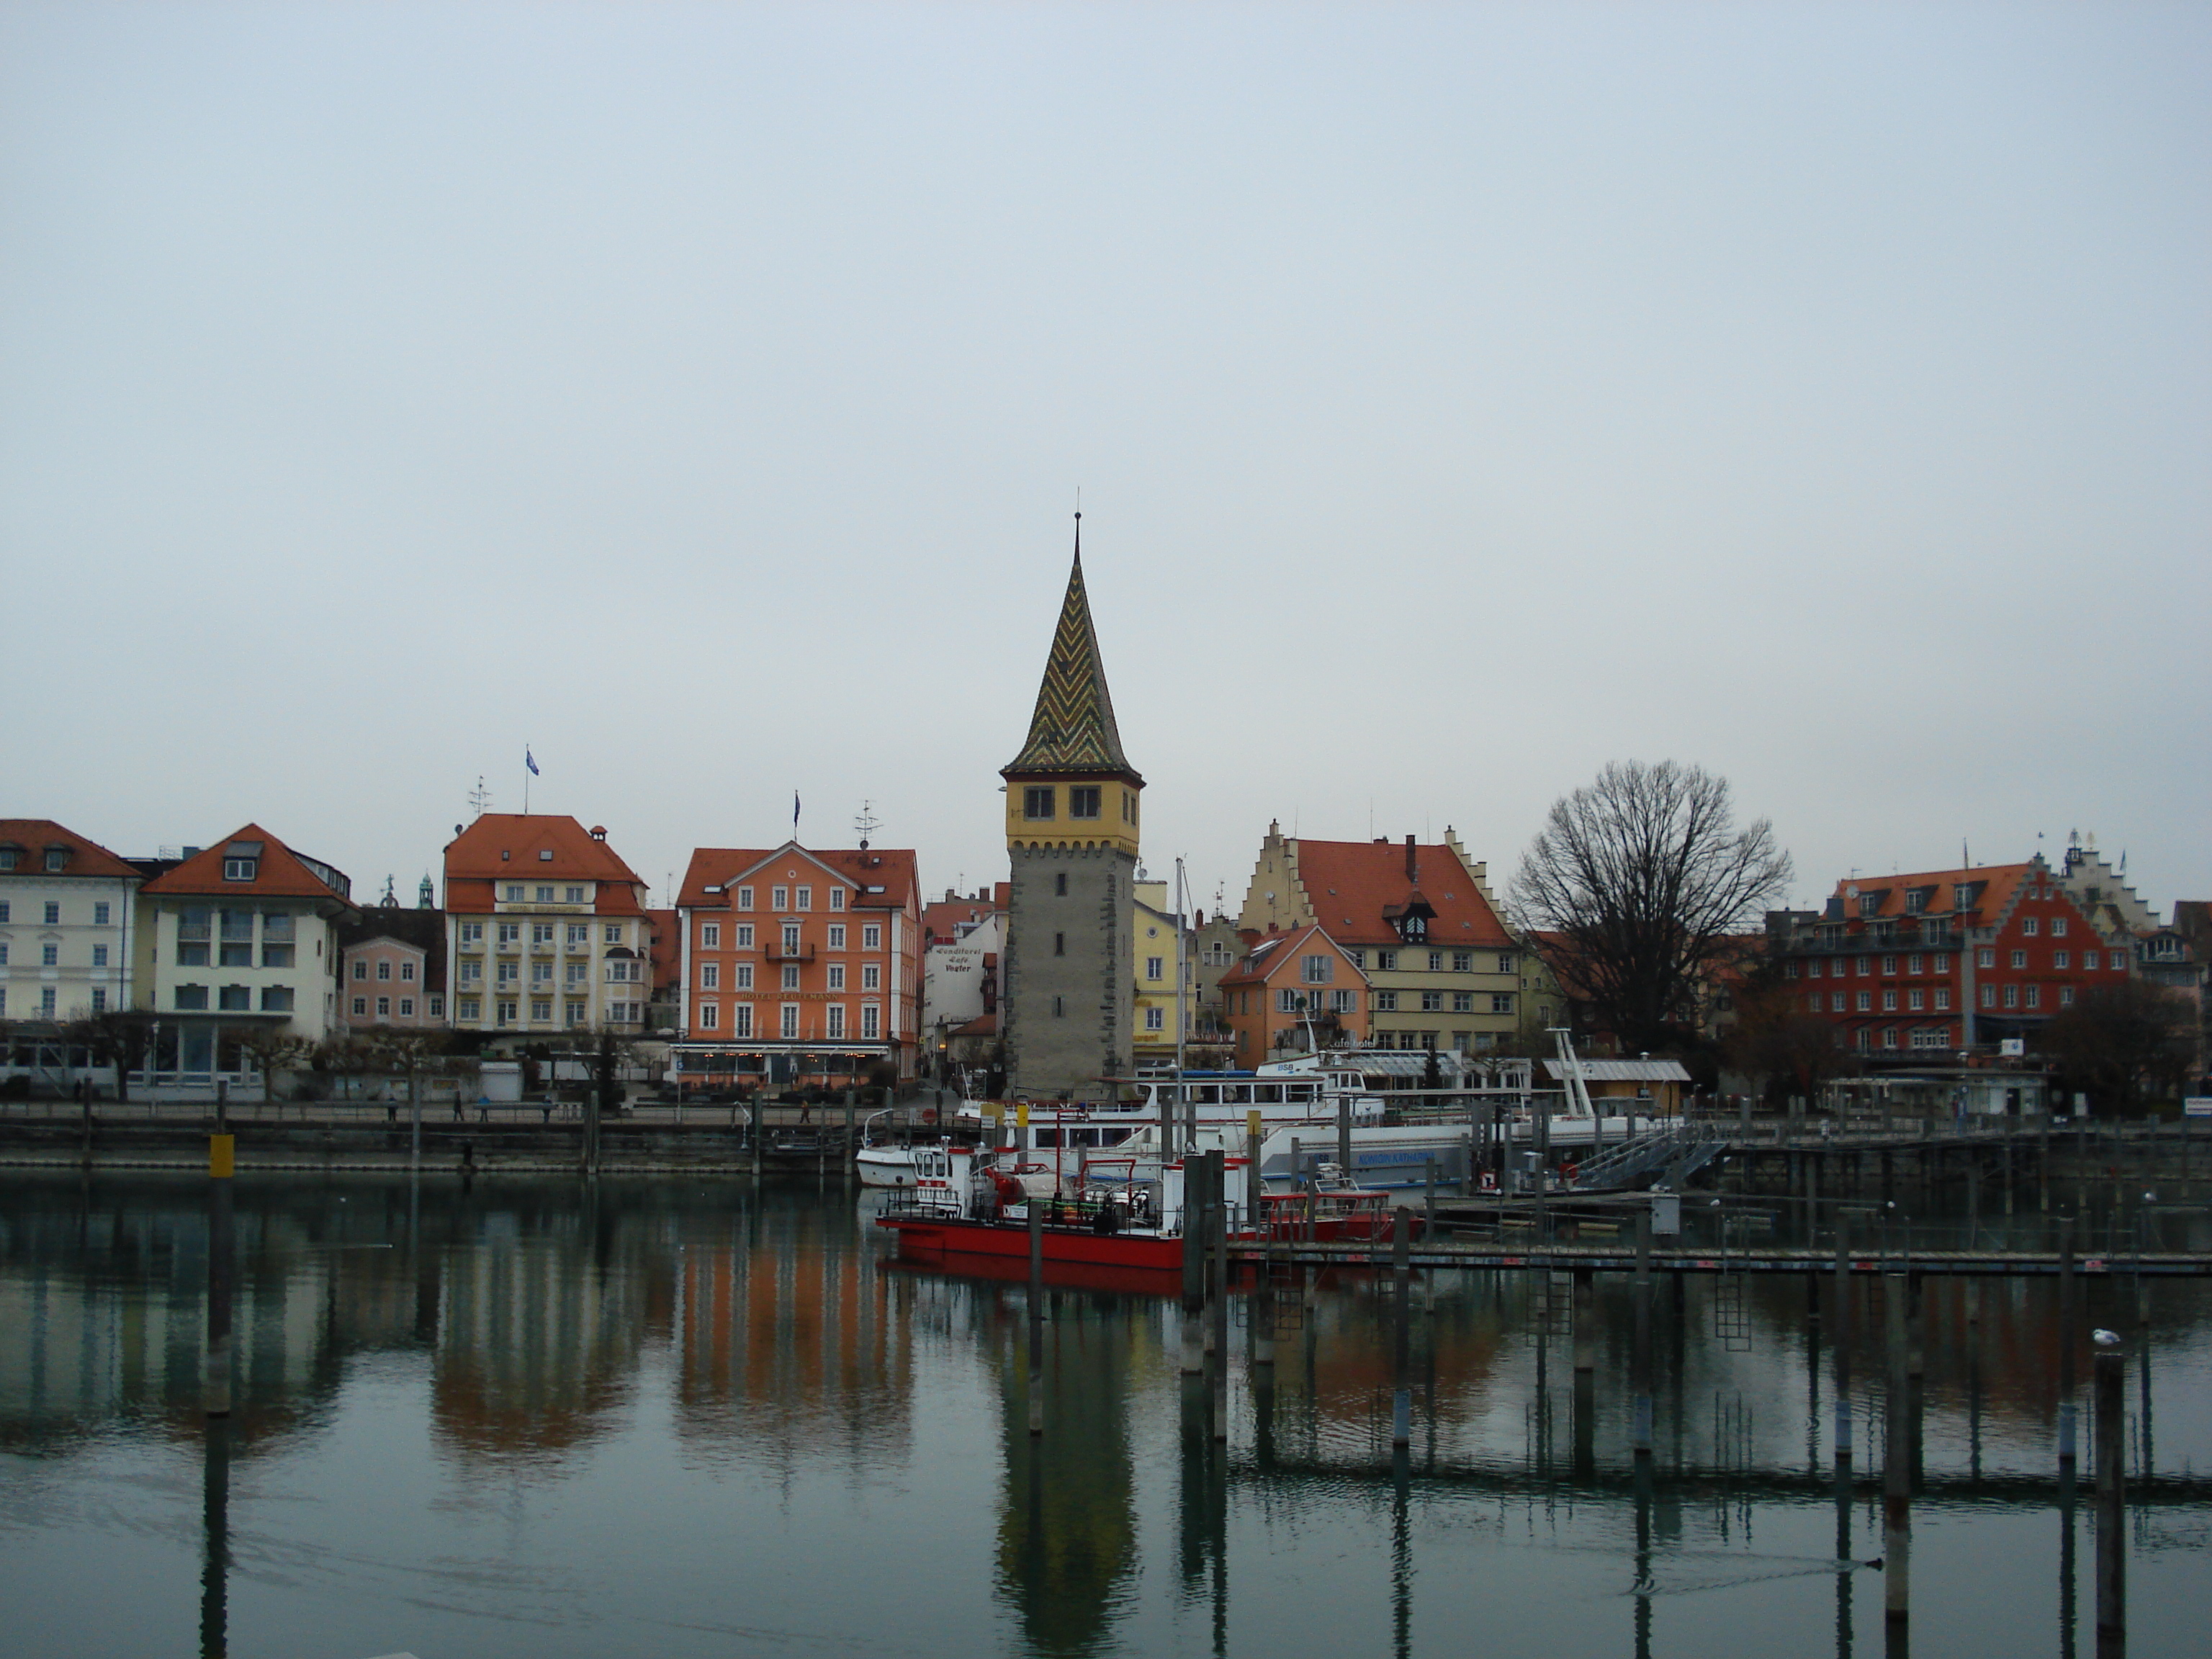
pixel 529 761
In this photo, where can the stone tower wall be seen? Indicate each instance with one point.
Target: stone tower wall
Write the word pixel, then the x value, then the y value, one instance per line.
pixel 1092 973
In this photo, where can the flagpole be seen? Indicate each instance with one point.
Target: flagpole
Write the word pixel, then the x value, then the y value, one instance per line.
pixel 526 779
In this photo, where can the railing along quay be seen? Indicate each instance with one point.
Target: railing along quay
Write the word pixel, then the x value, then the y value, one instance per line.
pixel 1614 1258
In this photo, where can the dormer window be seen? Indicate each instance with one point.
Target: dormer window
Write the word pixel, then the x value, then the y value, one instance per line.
pixel 58 858
pixel 1916 899
pixel 9 855
pixel 1870 904
pixel 240 869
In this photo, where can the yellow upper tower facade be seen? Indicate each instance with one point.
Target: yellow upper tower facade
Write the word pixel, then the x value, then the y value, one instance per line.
pixel 1072 786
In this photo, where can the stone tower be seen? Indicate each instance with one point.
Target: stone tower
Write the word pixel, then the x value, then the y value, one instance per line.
pixel 1069 989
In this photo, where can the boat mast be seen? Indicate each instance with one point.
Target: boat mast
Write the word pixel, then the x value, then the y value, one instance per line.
pixel 1167 1146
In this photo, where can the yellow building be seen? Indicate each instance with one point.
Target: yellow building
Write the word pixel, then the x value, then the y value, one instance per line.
pixel 1153 925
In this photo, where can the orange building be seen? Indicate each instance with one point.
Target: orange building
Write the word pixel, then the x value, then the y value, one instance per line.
pixel 800 967
pixel 1285 982
pixel 545 928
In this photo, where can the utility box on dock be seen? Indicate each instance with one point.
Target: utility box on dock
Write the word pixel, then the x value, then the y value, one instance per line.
pixel 1666 1215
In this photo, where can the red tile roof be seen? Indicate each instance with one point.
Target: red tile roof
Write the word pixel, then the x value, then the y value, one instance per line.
pixel 891 869
pixel 1355 886
pixel 1272 953
pixel 278 871
pixel 34 836
pixel 505 847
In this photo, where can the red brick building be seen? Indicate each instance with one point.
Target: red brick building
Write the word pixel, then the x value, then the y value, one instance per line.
pixel 799 966
pixel 1945 960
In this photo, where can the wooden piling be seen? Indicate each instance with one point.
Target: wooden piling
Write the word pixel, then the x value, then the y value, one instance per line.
pixel 1401 1397
pixel 2066 1339
pixel 1639 1429
pixel 1037 1314
pixel 221 1167
pixel 1897 1457
pixel 2110 1369
pixel 1194 1265
pixel 1843 1340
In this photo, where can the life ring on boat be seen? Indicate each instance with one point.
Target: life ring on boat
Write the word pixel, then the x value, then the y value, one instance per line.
pixel 929 1114
pixel 1010 1190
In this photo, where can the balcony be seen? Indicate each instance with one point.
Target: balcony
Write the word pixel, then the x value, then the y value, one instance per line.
pixel 777 953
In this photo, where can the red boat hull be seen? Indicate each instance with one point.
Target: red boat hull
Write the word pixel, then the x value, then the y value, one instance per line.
pixel 1074 1246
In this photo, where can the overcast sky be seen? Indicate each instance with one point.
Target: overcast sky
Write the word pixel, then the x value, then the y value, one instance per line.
pixel 1461 398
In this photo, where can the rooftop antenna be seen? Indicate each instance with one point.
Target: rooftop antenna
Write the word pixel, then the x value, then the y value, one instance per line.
pixel 867 824
pixel 480 797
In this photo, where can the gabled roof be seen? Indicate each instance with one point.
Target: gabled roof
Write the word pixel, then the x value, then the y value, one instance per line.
pixel 890 870
pixel 1072 729
pixel 278 871
pixel 1275 952
pixel 87 858
pixel 1356 888
pixel 579 854
pixel 1997 887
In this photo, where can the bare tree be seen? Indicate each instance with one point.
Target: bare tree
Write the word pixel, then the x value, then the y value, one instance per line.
pixel 114 1037
pixel 2122 1044
pixel 273 1050
pixel 1641 878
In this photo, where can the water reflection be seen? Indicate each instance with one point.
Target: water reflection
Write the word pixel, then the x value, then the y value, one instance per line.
pixel 747 1380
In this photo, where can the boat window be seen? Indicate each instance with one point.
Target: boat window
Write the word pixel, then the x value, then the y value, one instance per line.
pixel 1269 1094
pixel 1238 1094
pixel 1209 1094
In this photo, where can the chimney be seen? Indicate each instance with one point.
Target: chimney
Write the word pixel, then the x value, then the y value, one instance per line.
pixel 1413 863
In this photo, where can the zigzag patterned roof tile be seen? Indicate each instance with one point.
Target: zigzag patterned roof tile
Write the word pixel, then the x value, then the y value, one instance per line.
pixel 1073 728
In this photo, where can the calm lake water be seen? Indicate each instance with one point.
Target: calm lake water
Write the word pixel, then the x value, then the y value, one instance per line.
pixel 673 1418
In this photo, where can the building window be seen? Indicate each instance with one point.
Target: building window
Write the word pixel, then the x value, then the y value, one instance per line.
pixel 614 933
pixel 577 973
pixel 238 869
pixel 1432 1002
pixel 745 898
pixel 514 893
pixel 872 937
pixel 2020 958
pixel 98 1001
pixel 790 938
pixel 384 1007
pixel 1914 964
pixel 778 898
pixel 710 935
pixel 100 956
pixel 1889 964
pixel 791 976
pixel 790 1026
pixel 2012 996
pixel 2030 926
pixel 836 935
pixel 1985 957
pixel 2060 959
pixel 1155 1019
pixel 575 1013
pixel 541 1010
pixel 2035 996
pixel 745 981
pixel 541 932
pixel 471 933
pixel 835 1014
pixel 1988 996
pixel 508 973
pixel 1835 1001
pixel 234 999
pixel 50 956
pixel 1916 1000
pixel 805 897
pixel 1083 801
pixel 871 1019
pixel 1813 1003
pixel 1462 961
pixel 471 972
pixel 744 939
pixel 1356 958
pixel 434 1007
pixel 541 973
pixel 1866 1002
pixel 406 1005
pixel 836 971
pixel 510 933
pixel 1386 1002
pixel 469 1008
pixel 836 898
pixel 1037 803
pixel 2088 958
pixel 871 976
pixel 407 973
pixel 710 976
pixel 360 1008
pixel 545 896
pixel 1060 884
pixel 2066 996
pixel 1462 1002
pixel 1287 1001
pixel 710 1017
pixel 1340 1002
pixel 1942 964
pixel 99 915
pixel 741 1019
pixel 1435 962
pixel 2059 927
pixel 1386 962
pixel 1889 1038
pixel 383 970
pixel 1501 1002
pixel 1888 1002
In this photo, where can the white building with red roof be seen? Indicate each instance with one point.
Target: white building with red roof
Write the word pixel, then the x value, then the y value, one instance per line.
pixel 241 937
pixel 546 929
pixel 1417 921
pixel 67 912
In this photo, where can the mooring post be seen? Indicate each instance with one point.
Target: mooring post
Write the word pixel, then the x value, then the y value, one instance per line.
pixel 2110 1367
pixel 221 1165
pixel 1843 1340
pixel 1428 1203
pixel 1585 1321
pixel 1194 1264
pixel 1037 1314
pixel 1640 1414
pixel 2066 1339
pixel 1218 1187
pixel 1897 1457
pixel 851 1163
pixel 1401 1268
pixel 414 1121
pixel 1263 1287
pixel 1344 1134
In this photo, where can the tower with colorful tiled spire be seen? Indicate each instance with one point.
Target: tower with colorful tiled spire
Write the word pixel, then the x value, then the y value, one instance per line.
pixel 1069 984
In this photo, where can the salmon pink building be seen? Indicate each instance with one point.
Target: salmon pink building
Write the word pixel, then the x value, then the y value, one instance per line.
pixel 800 966
pixel 1292 991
